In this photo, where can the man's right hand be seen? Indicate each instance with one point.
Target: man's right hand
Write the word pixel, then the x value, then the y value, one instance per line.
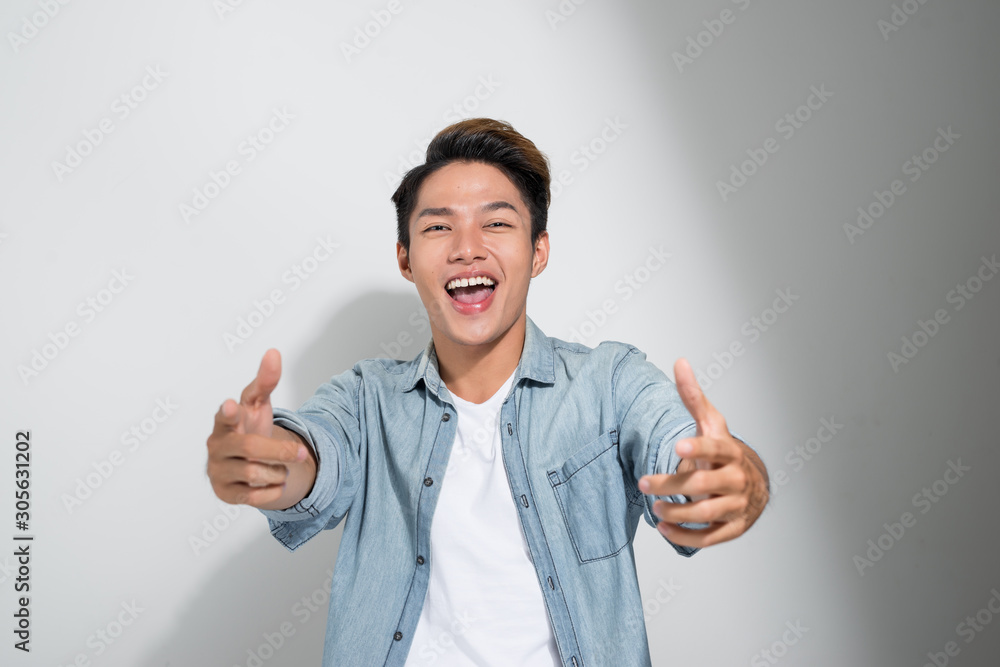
pixel 250 460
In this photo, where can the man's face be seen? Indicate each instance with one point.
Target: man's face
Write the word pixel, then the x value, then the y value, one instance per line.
pixel 469 219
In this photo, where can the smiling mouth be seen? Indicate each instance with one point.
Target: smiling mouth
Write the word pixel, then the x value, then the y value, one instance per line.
pixel 472 293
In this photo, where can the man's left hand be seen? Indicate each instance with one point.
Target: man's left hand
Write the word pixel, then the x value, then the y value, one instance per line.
pixel 736 484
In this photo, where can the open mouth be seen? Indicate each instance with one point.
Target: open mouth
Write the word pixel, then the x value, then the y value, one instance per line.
pixel 478 291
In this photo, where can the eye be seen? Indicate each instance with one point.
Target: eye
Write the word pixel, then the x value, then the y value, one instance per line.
pixel 433 226
pixel 499 223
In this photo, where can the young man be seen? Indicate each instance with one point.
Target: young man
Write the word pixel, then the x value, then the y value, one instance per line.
pixel 492 485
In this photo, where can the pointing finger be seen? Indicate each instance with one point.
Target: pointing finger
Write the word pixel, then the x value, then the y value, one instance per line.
pixel 228 417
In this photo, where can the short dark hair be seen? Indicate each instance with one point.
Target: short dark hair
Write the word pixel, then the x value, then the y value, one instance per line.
pixel 488 141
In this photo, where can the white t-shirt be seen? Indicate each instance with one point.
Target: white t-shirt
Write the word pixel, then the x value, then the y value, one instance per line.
pixel 484 604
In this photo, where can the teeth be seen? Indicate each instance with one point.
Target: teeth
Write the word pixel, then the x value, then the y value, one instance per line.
pixel 465 282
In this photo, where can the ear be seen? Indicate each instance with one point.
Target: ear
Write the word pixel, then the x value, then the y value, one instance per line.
pixel 541 258
pixel 403 259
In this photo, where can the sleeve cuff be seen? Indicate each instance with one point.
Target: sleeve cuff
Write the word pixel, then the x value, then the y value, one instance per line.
pixel 324 485
pixel 666 462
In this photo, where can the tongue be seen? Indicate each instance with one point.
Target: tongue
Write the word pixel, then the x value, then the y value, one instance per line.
pixel 472 294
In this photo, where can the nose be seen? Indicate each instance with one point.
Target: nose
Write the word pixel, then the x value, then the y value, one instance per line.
pixel 467 244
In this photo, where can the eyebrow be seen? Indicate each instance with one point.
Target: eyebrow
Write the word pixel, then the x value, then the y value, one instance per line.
pixel 485 208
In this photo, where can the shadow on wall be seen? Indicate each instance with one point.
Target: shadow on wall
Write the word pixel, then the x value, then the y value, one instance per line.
pixel 268 606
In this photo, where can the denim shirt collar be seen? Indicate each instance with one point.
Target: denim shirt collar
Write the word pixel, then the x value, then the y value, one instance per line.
pixel 536 362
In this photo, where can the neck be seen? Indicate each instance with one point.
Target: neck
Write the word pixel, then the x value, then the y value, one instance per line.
pixel 475 372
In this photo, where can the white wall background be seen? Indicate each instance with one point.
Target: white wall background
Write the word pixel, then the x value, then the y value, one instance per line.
pixel 329 173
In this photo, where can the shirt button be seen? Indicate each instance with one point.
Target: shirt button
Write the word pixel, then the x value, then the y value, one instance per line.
pixel 446 417
pixel 428 481
pixel 398 635
pixel 420 560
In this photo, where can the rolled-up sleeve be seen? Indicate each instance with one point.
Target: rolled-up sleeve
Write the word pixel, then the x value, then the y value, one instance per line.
pixel 652 420
pixel 330 423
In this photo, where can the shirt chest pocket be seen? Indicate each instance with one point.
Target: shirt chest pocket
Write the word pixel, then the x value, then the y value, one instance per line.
pixel 590 489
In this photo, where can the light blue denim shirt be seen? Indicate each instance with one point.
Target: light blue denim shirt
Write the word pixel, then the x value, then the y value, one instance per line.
pixel 579 427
